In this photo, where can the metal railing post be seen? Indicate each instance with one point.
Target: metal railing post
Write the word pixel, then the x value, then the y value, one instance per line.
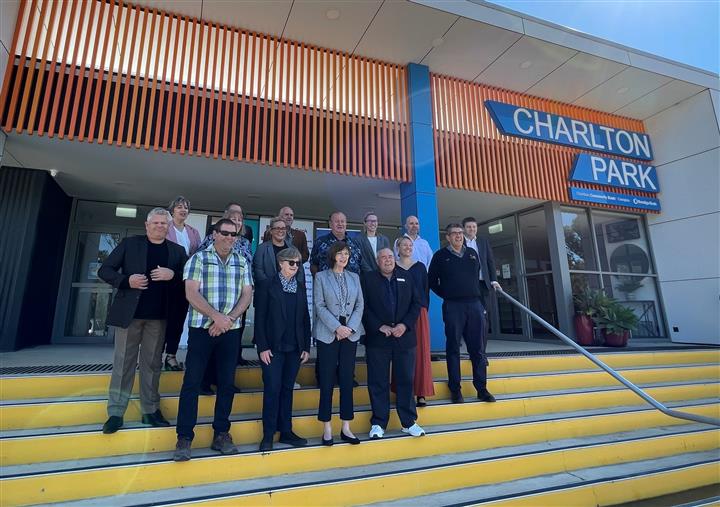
pixel 652 401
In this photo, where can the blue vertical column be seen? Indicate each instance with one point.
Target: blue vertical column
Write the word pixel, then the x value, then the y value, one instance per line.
pixel 419 196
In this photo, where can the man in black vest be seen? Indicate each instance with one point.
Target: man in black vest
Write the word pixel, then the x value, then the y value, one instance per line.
pixel 454 276
pixel 391 310
pixel 143 269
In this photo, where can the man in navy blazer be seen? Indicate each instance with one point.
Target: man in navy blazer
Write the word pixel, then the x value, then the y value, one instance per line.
pixel 391 311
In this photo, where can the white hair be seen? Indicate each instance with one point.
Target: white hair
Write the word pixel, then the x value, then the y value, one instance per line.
pixel 159 211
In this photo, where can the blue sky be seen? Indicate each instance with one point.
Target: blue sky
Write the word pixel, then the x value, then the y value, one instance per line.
pixel 687 31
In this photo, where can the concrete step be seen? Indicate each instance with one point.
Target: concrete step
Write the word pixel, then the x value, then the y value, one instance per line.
pixel 393 468
pixel 54 413
pixel 89 444
pixel 22 387
pixel 603 485
pixel 389 481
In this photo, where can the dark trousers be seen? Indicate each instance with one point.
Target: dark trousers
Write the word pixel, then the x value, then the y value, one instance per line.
pixel 464 320
pixel 278 383
pixel 210 376
pixel 338 356
pixel 200 347
pixel 177 311
pixel 379 361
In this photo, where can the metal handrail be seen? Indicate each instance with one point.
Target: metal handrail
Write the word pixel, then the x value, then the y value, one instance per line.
pixel 652 401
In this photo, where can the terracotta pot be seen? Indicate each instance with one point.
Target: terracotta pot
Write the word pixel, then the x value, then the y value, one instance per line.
pixel 583 330
pixel 616 340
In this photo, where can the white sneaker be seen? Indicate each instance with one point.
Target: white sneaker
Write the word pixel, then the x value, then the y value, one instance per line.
pixel 415 430
pixel 297 386
pixel 376 432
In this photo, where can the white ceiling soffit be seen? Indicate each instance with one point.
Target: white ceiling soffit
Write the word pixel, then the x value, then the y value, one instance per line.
pixel 331 24
pixel 454 205
pixel 573 39
pixel 132 176
pixel 660 99
pixel 525 64
pixel 403 32
pixel 468 48
pixel 264 16
pixel 576 77
pixel 622 89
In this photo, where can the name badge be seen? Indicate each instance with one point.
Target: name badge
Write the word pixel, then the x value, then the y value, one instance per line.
pixel 400 279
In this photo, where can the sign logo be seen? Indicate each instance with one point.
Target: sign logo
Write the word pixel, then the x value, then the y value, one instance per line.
pixel 614 173
pixel 603 197
pixel 551 128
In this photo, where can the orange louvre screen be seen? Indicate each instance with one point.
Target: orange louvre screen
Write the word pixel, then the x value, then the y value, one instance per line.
pixel 109 72
pixel 472 154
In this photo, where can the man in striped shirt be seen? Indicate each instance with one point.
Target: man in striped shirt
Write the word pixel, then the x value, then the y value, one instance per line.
pixel 219 289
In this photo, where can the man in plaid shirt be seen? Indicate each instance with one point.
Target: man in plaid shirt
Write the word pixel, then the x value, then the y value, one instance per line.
pixel 219 289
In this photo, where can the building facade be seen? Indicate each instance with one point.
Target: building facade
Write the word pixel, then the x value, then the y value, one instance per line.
pixel 585 163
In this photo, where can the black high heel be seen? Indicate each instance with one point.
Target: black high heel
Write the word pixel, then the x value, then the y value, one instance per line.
pixel 327 442
pixel 349 440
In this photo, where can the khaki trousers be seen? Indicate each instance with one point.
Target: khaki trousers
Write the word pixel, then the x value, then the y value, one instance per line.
pixel 145 338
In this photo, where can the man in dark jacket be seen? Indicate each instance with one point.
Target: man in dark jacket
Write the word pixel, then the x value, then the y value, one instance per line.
pixel 454 276
pixel 143 269
pixel 391 311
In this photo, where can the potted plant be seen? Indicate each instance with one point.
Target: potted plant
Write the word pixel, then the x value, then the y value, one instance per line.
pixel 588 302
pixel 617 321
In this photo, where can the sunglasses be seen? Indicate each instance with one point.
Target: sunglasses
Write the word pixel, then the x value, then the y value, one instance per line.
pixel 294 263
pixel 227 233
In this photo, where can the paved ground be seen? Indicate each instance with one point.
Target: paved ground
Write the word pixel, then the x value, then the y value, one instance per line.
pixel 50 355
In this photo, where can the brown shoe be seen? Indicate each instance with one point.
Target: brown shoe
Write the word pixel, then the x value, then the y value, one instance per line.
pixel 182 449
pixel 224 444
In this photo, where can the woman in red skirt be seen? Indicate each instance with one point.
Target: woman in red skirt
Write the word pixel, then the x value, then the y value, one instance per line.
pixel 423 381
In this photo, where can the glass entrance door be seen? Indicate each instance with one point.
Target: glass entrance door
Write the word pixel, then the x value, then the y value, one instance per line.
pixel 505 320
pixel 85 298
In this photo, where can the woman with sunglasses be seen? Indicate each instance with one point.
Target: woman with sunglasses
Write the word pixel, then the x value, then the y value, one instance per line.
pixel 265 265
pixel 282 333
pixel 339 304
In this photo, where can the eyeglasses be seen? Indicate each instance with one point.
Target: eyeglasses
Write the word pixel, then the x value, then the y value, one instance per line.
pixel 278 228
pixel 294 263
pixel 227 233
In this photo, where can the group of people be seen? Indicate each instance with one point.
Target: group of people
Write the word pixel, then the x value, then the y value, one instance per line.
pixel 364 290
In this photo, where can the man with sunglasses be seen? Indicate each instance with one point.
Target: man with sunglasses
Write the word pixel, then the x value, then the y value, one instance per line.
pixel 219 289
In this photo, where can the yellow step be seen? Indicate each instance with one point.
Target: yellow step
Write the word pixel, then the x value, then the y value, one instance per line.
pixel 73 446
pixel 620 491
pixel 108 481
pixel 75 413
pixel 390 487
pixel 54 386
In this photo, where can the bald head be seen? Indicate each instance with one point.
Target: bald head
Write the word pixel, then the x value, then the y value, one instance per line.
pixel 412 226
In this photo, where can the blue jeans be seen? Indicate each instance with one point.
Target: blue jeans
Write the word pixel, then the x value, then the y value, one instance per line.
pixel 200 347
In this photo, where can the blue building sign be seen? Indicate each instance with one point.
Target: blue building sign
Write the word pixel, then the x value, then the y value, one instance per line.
pixel 613 198
pixel 614 172
pixel 552 128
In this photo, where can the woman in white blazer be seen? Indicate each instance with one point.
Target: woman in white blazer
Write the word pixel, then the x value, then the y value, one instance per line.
pixel 337 327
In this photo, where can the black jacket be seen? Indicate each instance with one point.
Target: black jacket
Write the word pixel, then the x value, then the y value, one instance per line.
pixel 377 313
pixel 487 261
pixel 270 315
pixel 129 258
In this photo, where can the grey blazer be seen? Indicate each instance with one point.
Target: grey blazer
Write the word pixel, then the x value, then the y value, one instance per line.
pixel 265 266
pixel 369 260
pixel 326 302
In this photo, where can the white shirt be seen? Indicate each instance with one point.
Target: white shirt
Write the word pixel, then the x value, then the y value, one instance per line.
pixel 472 243
pixel 373 244
pixel 183 239
pixel 421 250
